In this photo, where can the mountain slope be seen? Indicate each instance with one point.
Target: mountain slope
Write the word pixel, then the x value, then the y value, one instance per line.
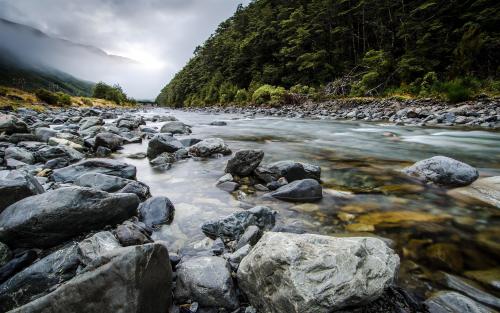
pixel 379 43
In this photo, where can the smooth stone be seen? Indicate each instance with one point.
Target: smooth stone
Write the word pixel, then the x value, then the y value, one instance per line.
pixel 206 280
pixel 138 188
pixel 486 190
pixel 102 182
pixel 16 185
pixel 56 163
pixel 306 273
pixel 224 179
pixel 291 170
pixel 209 147
pixel 175 127
pixel 51 152
pixel 156 211
pixel 103 166
pixel 229 186
pixel 10 124
pixel 451 302
pixel 17 263
pixel 162 143
pixel 443 171
pixel 44 133
pixel 95 246
pixel 188 142
pixel 108 140
pixel 234 225
pixel 244 162
pixel 50 218
pixel 400 218
pixel 137 156
pixel 489 277
pixel 305 190
pixel 19 154
pixel 128 280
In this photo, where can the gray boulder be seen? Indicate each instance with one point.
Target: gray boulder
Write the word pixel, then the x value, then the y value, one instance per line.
pixel 138 188
pixel 208 147
pixel 444 171
pixel 233 226
pixel 162 143
pixel 19 154
pixel 17 185
pixel 290 170
pixel 108 140
pixel 10 124
pixel 305 190
pixel 95 246
pixel 176 127
pixel 206 280
pixel 132 233
pixel 449 301
pixel 48 153
pixel 244 162
pixel 50 218
pixel 88 122
pixel 102 182
pixel 127 280
pixel 156 211
pixel 308 273
pixel 103 166
pixel 44 133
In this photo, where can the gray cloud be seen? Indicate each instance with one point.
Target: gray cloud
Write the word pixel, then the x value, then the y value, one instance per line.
pixel 161 34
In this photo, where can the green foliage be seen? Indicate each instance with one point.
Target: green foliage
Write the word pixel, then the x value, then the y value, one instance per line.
pixel 112 93
pixel 47 96
pixel 63 99
pixel 302 89
pixel 241 96
pixel 87 102
pixel 378 45
pixel 457 91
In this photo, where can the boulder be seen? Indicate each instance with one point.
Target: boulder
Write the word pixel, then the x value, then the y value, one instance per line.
pixel 17 185
pixel 10 124
pixel 444 171
pixel 95 246
pixel 251 236
pixel 308 273
pixel 486 190
pixel 175 127
pixel 156 211
pixel 37 279
pixel 290 170
pixel 19 154
pixel 88 122
pixel 188 142
pixel 52 152
pixel 45 133
pixel 206 280
pixel 305 190
pixel 5 254
pixel 128 280
pixel 138 188
pixel 108 140
pixel 132 233
pixel 163 143
pixel 233 226
pixel 244 162
pixel 102 182
pixel 50 218
pixel 17 263
pixel 103 166
pixel 208 147
pixel 449 301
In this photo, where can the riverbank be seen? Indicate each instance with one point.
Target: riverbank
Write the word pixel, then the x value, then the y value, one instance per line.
pixel 226 213
pixel 414 112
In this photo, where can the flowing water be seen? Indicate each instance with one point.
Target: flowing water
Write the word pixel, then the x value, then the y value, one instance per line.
pixel 364 192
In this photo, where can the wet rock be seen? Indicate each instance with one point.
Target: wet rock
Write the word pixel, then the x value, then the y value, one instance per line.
pixel 290 170
pixel 467 288
pixel 233 226
pixel 135 280
pixel 5 254
pixel 130 122
pixel 102 182
pixel 251 235
pixel 443 171
pixel 244 162
pixel 9 124
pixel 488 239
pixel 65 142
pixel 188 142
pixel 237 256
pixel 102 152
pixel 132 233
pixel 287 272
pixel 44 133
pixel 486 190
pixel 305 190
pixel 108 140
pixel 446 256
pixel 95 246
pixel 138 188
pixel 37 279
pixel 19 154
pixel 162 143
pixel 400 218
pixel 218 123
pixel 52 152
pixel 156 211
pixel 17 185
pixel 163 159
pixel 209 147
pixel 88 122
pixel 103 166
pixel 489 277
pixel 175 127
pixel 18 262
pixel 206 280
pixel 449 301
pixel 229 186
pixel 137 156
pixel 50 218
pixel 56 163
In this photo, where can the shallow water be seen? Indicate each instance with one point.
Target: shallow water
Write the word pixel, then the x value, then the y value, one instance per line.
pixel 362 160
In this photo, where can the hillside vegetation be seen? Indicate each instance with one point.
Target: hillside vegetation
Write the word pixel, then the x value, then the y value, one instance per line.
pixel 276 51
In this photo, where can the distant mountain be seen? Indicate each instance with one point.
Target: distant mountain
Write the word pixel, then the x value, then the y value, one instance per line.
pixel 30 59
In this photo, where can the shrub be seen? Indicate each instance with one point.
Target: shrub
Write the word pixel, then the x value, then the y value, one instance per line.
pixel 63 99
pixel 112 93
pixel 87 102
pixel 47 96
pixel 262 94
pixel 241 96
pixel 457 91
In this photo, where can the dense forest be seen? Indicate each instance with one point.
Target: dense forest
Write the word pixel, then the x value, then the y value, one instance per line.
pixel 342 48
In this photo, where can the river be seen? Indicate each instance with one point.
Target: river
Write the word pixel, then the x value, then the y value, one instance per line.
pixel 360 165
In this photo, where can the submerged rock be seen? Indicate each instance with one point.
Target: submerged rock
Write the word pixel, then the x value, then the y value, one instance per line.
pixel 305 190
pixel 443 171
pixel 17 185
pixel 449 301
pixel 244 162
pixel 305 273
pixel 50 218
pixel 290 170
pixel 208 147
pixel 486 190
pixel 103 166
pixel 206 280
pixel 130 280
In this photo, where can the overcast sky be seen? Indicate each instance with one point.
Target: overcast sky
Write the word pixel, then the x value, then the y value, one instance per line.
pixel 161 34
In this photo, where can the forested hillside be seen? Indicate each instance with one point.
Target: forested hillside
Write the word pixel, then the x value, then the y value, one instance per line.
pixel 342 47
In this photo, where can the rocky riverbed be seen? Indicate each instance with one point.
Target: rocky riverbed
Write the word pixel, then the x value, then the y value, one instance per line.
pixel 110 210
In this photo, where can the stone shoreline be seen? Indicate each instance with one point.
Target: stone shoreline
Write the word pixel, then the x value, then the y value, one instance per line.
pixel 421 112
